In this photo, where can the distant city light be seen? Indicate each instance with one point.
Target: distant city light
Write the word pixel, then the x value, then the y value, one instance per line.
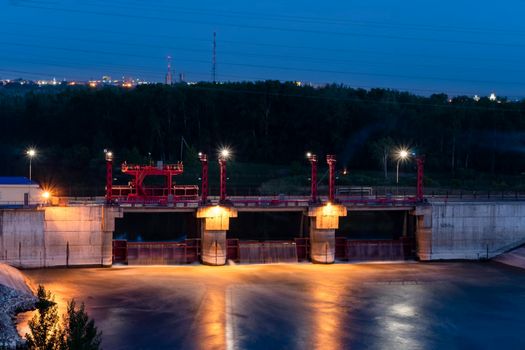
pixel 492 97
pixel 476 98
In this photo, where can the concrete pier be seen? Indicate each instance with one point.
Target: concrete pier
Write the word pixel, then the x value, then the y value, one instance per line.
pixel 216 222
pixel 324 220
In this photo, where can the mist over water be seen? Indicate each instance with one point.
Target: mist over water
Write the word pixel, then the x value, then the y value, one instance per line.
pixel 300 306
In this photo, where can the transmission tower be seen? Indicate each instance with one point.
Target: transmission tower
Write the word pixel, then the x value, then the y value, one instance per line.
pixel 168 79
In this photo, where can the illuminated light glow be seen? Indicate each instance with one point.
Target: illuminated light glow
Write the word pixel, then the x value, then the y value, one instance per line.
pixel 308 154
pixel 224 153
pixel 327 216
pixel 492 96
pixel 46 195
pixel 402 153
pixel 216 218
pixel 31 152
pixel 109 155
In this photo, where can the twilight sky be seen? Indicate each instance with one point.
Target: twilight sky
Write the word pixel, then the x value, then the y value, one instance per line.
pixel 452 46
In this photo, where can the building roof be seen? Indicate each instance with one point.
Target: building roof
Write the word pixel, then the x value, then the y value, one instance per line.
pixel 16 180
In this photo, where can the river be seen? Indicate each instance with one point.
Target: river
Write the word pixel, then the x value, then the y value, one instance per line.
pixel 452 305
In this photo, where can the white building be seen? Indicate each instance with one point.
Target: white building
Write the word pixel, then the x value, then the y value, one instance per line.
pixel 18 191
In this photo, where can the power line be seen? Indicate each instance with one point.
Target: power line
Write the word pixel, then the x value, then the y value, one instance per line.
pixel 419 77
pixel 306 19
pixel 311 31
pixel 239 53
pixel 235 77
pixel 250 43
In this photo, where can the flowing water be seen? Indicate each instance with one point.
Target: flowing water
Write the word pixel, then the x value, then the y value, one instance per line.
pixel 267 252
pixel 300 306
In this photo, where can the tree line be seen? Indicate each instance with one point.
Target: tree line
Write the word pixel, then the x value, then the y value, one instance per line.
pixel 263 122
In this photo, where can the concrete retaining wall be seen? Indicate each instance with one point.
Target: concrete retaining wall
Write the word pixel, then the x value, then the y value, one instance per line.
pixel 57 236
pixel 22 237
pixel 469 230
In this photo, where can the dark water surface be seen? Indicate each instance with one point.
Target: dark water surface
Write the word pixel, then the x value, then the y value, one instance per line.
pixel 455 305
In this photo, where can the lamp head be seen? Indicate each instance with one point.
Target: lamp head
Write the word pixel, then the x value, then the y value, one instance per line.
pixel 31 152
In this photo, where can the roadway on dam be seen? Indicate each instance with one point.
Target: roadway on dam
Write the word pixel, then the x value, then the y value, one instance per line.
pixel 448 305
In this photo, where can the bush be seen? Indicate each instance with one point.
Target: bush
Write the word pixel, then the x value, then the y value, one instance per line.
pixel 80 332
pixel 77 332
pixel 45 332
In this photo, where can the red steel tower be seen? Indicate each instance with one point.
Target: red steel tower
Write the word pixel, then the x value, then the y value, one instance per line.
pixel 330 160
pixel 204 187
pixel 312 158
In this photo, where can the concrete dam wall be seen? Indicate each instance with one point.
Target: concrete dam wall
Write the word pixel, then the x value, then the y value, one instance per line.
pixel 469 230
pixel 57 236
pixel 82 235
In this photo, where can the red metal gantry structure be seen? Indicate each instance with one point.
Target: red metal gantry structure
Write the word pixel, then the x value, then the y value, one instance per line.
pixel 138 192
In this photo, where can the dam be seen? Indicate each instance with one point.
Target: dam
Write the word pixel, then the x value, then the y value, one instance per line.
pixel 81 234
pixel 189 226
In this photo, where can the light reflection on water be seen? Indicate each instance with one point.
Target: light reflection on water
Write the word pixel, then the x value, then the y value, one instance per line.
pixel 327 316
pixel 298 306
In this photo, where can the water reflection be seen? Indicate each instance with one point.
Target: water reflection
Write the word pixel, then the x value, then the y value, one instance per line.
pixel 60 292
pixel 297 306
pixel 211 320
pixel 327 314
pixel 399 309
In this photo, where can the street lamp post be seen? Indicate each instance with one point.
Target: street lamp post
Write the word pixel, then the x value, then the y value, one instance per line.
pixel 312 158
pixel 30 154
pixel 224 154
pixel 402 155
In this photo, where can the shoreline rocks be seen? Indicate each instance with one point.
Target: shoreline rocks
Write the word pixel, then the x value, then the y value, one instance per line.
pixel 16 296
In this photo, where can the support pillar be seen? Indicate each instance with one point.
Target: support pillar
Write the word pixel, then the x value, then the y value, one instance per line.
pixel 213 233
pixel 424 239
pixel 109 215
pixel 324 220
